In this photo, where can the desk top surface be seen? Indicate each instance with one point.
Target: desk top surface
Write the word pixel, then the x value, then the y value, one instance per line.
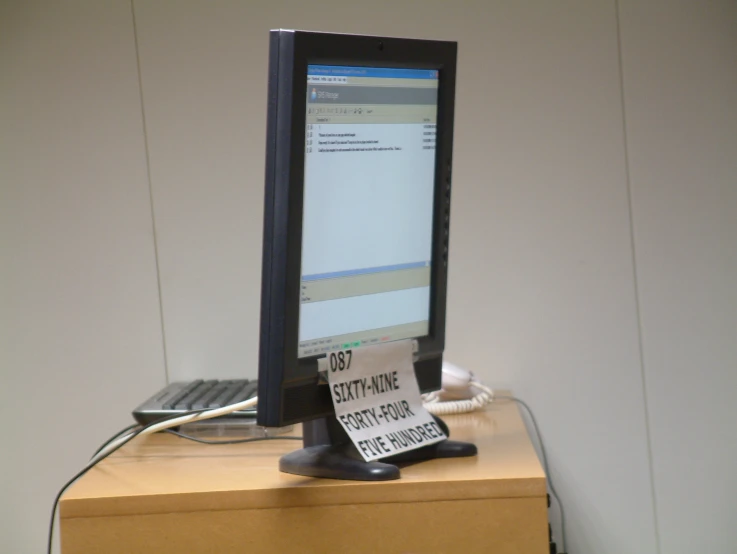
pixel 164 474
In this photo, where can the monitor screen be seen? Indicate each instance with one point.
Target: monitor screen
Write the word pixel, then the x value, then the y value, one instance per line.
pixel 367 222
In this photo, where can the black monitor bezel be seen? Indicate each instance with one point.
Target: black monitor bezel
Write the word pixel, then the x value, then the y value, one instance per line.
pixel 280 369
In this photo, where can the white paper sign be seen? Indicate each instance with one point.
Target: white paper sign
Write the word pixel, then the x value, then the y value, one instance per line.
pixel 377 400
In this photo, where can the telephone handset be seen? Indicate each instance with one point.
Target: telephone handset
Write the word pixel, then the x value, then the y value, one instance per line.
pixel 460 393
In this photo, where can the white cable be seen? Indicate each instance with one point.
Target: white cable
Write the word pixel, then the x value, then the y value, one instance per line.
pixel 436 406
pixel 169 423
pixel 431 402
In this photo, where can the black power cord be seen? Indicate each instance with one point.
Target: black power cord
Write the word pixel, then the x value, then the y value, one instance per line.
pixel 138 431
pixel 229 441
pixel 111 439
pixel 544 457
pixel 92 464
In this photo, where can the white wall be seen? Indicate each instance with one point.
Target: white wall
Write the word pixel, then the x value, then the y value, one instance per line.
pixel 81 341
pixel 592 245
pixel 680 91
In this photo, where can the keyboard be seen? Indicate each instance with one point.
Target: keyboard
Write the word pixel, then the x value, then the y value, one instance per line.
pixel 184 396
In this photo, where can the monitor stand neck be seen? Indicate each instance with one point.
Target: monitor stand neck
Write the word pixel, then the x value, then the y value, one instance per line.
pixel 329 453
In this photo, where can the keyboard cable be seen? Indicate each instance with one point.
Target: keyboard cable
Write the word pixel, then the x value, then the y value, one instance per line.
pixel 129 433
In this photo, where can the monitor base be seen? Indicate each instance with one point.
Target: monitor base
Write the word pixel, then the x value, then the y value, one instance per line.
pixel 329 453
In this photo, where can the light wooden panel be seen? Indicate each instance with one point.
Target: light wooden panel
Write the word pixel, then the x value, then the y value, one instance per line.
pixel 680 80
pixel 163 473
pixel 81 340
pixel 446 527
pixel 156 495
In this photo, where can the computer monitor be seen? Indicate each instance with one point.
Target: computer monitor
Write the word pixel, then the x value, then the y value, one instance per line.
pixel 357 205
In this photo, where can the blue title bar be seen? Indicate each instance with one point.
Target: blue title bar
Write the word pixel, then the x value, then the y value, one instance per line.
pixel 386 72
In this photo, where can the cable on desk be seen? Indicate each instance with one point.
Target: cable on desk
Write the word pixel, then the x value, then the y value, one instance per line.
pixel 545 465
pixel 96 458
pixel 121 438
pixel 111 439
pixel 181 419
pixel 229 441
pixel 432 401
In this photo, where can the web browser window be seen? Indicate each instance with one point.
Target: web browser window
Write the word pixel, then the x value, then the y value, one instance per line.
pixel 368 206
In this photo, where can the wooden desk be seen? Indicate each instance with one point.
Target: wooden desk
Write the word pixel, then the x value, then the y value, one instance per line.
pixel 162 494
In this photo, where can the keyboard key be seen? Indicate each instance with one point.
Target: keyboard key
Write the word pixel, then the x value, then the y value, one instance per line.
pixel 169 404
pixel 210 396
pixel 186 402
pixel 247 392
pixel 225 397
pixel 180 397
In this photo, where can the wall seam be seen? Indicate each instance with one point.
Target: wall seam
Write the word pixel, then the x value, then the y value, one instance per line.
pixel 150 191
pixel 638 302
